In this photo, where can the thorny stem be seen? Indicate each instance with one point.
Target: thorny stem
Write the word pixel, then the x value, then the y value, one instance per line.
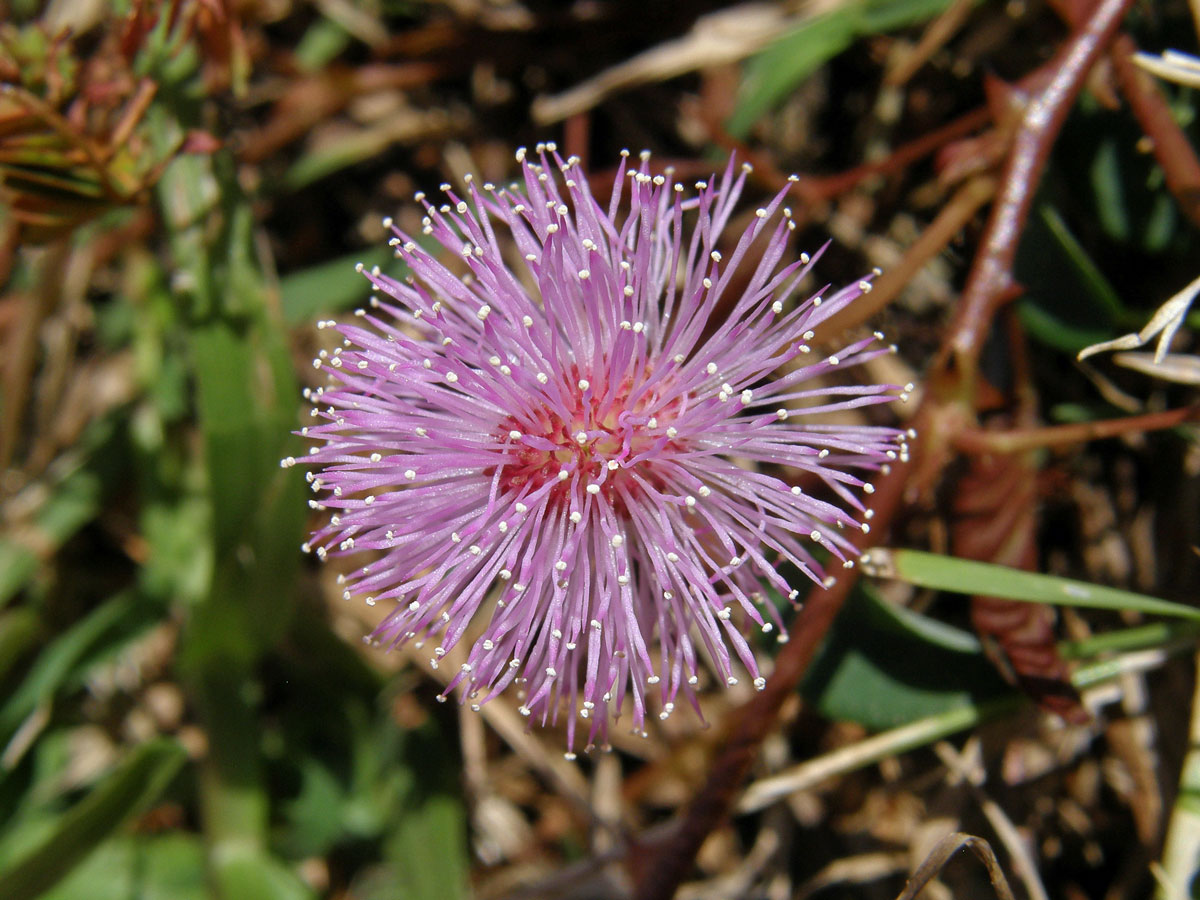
pixel 668 863
pixel 990 282
pixel 1169 144
pixel 1019 440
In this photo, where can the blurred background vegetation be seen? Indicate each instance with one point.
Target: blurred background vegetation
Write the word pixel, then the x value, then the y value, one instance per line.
pixel 186 706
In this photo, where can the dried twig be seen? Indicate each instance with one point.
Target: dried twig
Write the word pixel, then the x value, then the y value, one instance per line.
pixel 946 848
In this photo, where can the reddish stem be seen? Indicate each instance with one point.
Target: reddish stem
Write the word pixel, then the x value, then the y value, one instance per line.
pixel 1019 440
pixel 1169 144
pixel 990 282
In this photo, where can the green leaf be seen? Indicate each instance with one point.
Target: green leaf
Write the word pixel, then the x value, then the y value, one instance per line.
pixel 780 67
pixel 247 403
pixel 321 43
pixel 66 658
pixel 1156 635
pixel 19 630
pixel 73 499
pixel 965 576
pixel 1098 288
pixel 883 666
pixel 248 874
pixel 1068 303
pixel 136 783
pixel 158 867
pixel 1055 332
pixel 333 286
pixel 428 850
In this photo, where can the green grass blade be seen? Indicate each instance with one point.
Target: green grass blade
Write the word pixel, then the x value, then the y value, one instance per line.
pixel 65 658
pixel 333 286
pixel 1181 849
pixel 964 576
pixel 131 788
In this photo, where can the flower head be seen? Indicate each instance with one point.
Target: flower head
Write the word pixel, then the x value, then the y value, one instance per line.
pixel 579 460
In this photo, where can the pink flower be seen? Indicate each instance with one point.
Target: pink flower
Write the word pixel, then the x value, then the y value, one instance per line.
pixel 574 460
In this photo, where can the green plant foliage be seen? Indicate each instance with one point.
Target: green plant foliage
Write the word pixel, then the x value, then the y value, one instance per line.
pixel 884 666
pixel 1068 303
pixel 150 867
pixel 966 576
pixel 333 286
pixel 776 71
pixel 137 783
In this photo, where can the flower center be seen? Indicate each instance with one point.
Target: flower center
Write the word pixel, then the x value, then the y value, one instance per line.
pixel 589 439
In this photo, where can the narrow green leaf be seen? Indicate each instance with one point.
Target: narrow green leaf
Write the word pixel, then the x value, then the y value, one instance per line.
pixel 62 661
pixel 72 503
pixel 19 630
pixel 1154 635
pixel 1055 332
pixel 784 64
pixel 321 43
pixel 965 576
pixel 247 399
pixel 780 67
pixel 1098 287
pixel 1181 849
pixel 883 667
pixel 253 875
pixel 332 286
pixel 137 783
pixel 146 867
pixel 886 745
pixel 428 850
pixel 348 150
